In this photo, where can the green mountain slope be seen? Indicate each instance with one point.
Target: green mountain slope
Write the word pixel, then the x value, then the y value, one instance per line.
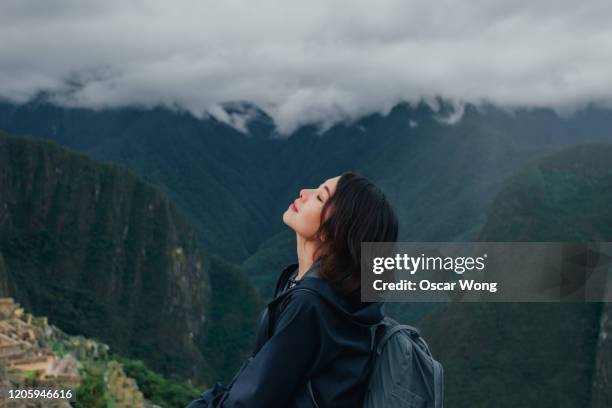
pixel 106 255
pixel 234 187
pixel 562 197
pixel 441 178
pixel 533 355
pixel 235 308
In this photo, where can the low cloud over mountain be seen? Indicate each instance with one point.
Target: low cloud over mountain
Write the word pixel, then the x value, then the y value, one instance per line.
pixel 314 61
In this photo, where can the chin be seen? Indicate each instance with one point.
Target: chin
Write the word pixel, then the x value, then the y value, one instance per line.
pixel 286 218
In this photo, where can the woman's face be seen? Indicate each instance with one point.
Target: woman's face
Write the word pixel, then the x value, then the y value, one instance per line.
pixel 304 214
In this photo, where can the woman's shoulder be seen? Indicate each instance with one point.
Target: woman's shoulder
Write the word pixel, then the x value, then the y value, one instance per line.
pixel 303 298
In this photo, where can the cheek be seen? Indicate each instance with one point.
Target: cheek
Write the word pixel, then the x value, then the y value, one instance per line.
pixel 313 217
pixel 309 221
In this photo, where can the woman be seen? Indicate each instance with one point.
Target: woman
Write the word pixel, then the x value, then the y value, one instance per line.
pixel 314 339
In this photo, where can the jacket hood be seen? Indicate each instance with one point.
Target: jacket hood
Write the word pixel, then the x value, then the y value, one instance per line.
pixel 349 305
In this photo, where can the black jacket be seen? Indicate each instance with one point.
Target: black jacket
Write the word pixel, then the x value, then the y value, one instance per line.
pixel 309 331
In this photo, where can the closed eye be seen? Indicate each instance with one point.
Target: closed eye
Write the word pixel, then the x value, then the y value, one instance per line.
pixel 319 198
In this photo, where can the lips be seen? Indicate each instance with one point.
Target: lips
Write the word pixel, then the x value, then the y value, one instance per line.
pixel 293 207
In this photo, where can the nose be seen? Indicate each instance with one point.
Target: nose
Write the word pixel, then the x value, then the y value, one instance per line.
pixel 305 193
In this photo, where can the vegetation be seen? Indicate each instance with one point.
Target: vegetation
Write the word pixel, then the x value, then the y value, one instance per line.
pixel 168 393
pixel 230 331
pixel 106 255
pixel 92 392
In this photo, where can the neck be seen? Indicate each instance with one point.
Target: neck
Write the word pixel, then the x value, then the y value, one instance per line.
pixel 305 254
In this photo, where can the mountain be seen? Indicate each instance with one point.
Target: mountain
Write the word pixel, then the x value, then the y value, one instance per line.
pixel 561 197
pixel 108 256
pixel 185 157
pixel 441 173
pixel 539 354
pixel 233 186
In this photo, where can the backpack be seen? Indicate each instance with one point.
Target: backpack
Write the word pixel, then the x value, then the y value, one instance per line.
pixel 404 373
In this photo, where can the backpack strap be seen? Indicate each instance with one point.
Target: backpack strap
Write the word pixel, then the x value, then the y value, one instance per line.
pixel 374 334
pixel 438 384
pixel 391 328
pixel 394 329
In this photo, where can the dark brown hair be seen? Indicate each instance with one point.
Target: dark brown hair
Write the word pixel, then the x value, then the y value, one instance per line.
pixel 359 213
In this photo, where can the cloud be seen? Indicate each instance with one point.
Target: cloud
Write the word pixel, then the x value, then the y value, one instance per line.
pixel 237 115
pixel 303 62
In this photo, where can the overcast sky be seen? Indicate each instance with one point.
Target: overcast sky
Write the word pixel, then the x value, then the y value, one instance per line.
pixel 310 60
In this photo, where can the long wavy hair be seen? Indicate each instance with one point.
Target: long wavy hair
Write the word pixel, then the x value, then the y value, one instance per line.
pixel 358 212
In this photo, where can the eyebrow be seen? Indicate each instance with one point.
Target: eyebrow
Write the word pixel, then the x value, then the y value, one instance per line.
pixel 328 192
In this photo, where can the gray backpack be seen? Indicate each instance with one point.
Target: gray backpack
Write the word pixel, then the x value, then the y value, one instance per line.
pixel 404 375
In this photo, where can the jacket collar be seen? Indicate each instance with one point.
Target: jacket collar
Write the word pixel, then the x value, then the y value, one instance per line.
pixel 362 313
pixel 284 277
pixel 288 272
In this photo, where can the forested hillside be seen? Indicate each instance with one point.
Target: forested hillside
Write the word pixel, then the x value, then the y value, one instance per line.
pixel 106 255
pixel 538 354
